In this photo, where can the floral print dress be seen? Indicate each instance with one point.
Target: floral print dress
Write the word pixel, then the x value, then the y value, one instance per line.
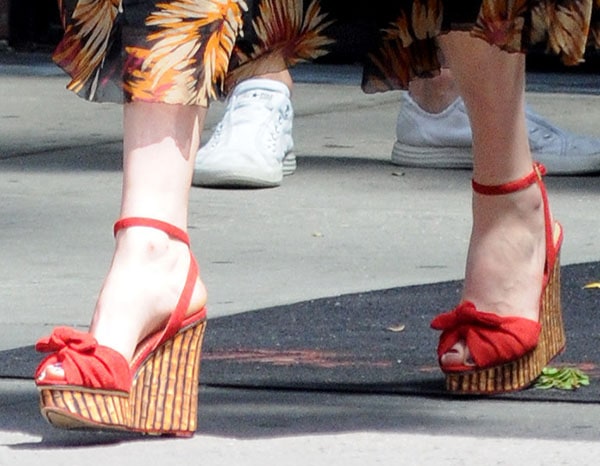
pixel 193 51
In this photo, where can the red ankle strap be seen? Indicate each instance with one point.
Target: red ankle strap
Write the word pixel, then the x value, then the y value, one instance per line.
pixel 169 229
pixel 512 186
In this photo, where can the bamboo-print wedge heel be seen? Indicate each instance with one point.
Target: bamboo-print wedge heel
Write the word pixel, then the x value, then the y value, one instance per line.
pixel 155 393
pixel 508 353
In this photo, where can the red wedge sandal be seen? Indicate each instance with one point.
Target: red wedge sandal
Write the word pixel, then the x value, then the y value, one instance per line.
pixel 508 353
pixel 155 393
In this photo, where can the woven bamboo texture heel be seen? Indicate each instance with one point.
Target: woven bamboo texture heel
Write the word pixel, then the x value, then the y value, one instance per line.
pixel 163 397
pixel 164 394
pixel 521 373
pixel 71 408
pixel 155 393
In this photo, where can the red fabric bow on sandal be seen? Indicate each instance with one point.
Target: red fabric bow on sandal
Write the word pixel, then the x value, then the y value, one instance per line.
pixel 491 339
pixel 84 362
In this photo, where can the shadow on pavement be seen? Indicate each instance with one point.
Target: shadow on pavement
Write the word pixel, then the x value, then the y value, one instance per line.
pixel 93 157
pixel 256 414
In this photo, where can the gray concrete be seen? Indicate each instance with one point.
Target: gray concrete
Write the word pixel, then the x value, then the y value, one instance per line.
pixel 346 221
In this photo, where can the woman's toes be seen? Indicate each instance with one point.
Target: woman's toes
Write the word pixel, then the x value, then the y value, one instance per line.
pixel 52 372
pixel 459 355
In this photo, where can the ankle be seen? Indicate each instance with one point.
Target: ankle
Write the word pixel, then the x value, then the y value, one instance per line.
pixel 524 210
pixel 524 192
pixel 507 253
pixel 142 288
pixel 143 243
pixel 434 95
pixel 283 77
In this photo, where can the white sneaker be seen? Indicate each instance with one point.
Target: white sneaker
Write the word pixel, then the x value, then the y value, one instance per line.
pixel 252 145
pixel 444 140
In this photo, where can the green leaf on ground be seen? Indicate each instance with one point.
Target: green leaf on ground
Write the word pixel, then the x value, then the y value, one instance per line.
pixel 562 378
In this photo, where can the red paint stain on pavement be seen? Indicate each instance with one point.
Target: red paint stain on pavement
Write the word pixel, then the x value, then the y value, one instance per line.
pixel 293 357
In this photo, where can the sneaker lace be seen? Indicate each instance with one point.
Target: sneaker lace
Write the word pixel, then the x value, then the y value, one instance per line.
pixel 239 108
pixel 283 115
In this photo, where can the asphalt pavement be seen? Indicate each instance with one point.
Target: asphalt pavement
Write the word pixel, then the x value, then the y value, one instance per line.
pixel 346 221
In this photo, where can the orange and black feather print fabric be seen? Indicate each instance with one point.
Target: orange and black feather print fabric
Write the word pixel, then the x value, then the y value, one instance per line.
pixel 502 23
pixel 286 27
pixel 86 39
pixel 195 51
pixel 284 32
pixel 187 53
pixel 516 25
pixel 407 47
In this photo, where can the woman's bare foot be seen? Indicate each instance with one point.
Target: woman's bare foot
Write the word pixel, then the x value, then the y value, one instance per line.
pixel 142 288
pixel 505 263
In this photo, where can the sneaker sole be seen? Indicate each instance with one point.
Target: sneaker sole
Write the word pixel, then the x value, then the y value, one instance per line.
pixel 461 158
pixel 428 157
pixel 245 178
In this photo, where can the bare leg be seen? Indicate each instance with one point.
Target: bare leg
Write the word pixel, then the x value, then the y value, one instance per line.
pixel 282 76
pixel 434 95
pixel 149 268
pixel 504 269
